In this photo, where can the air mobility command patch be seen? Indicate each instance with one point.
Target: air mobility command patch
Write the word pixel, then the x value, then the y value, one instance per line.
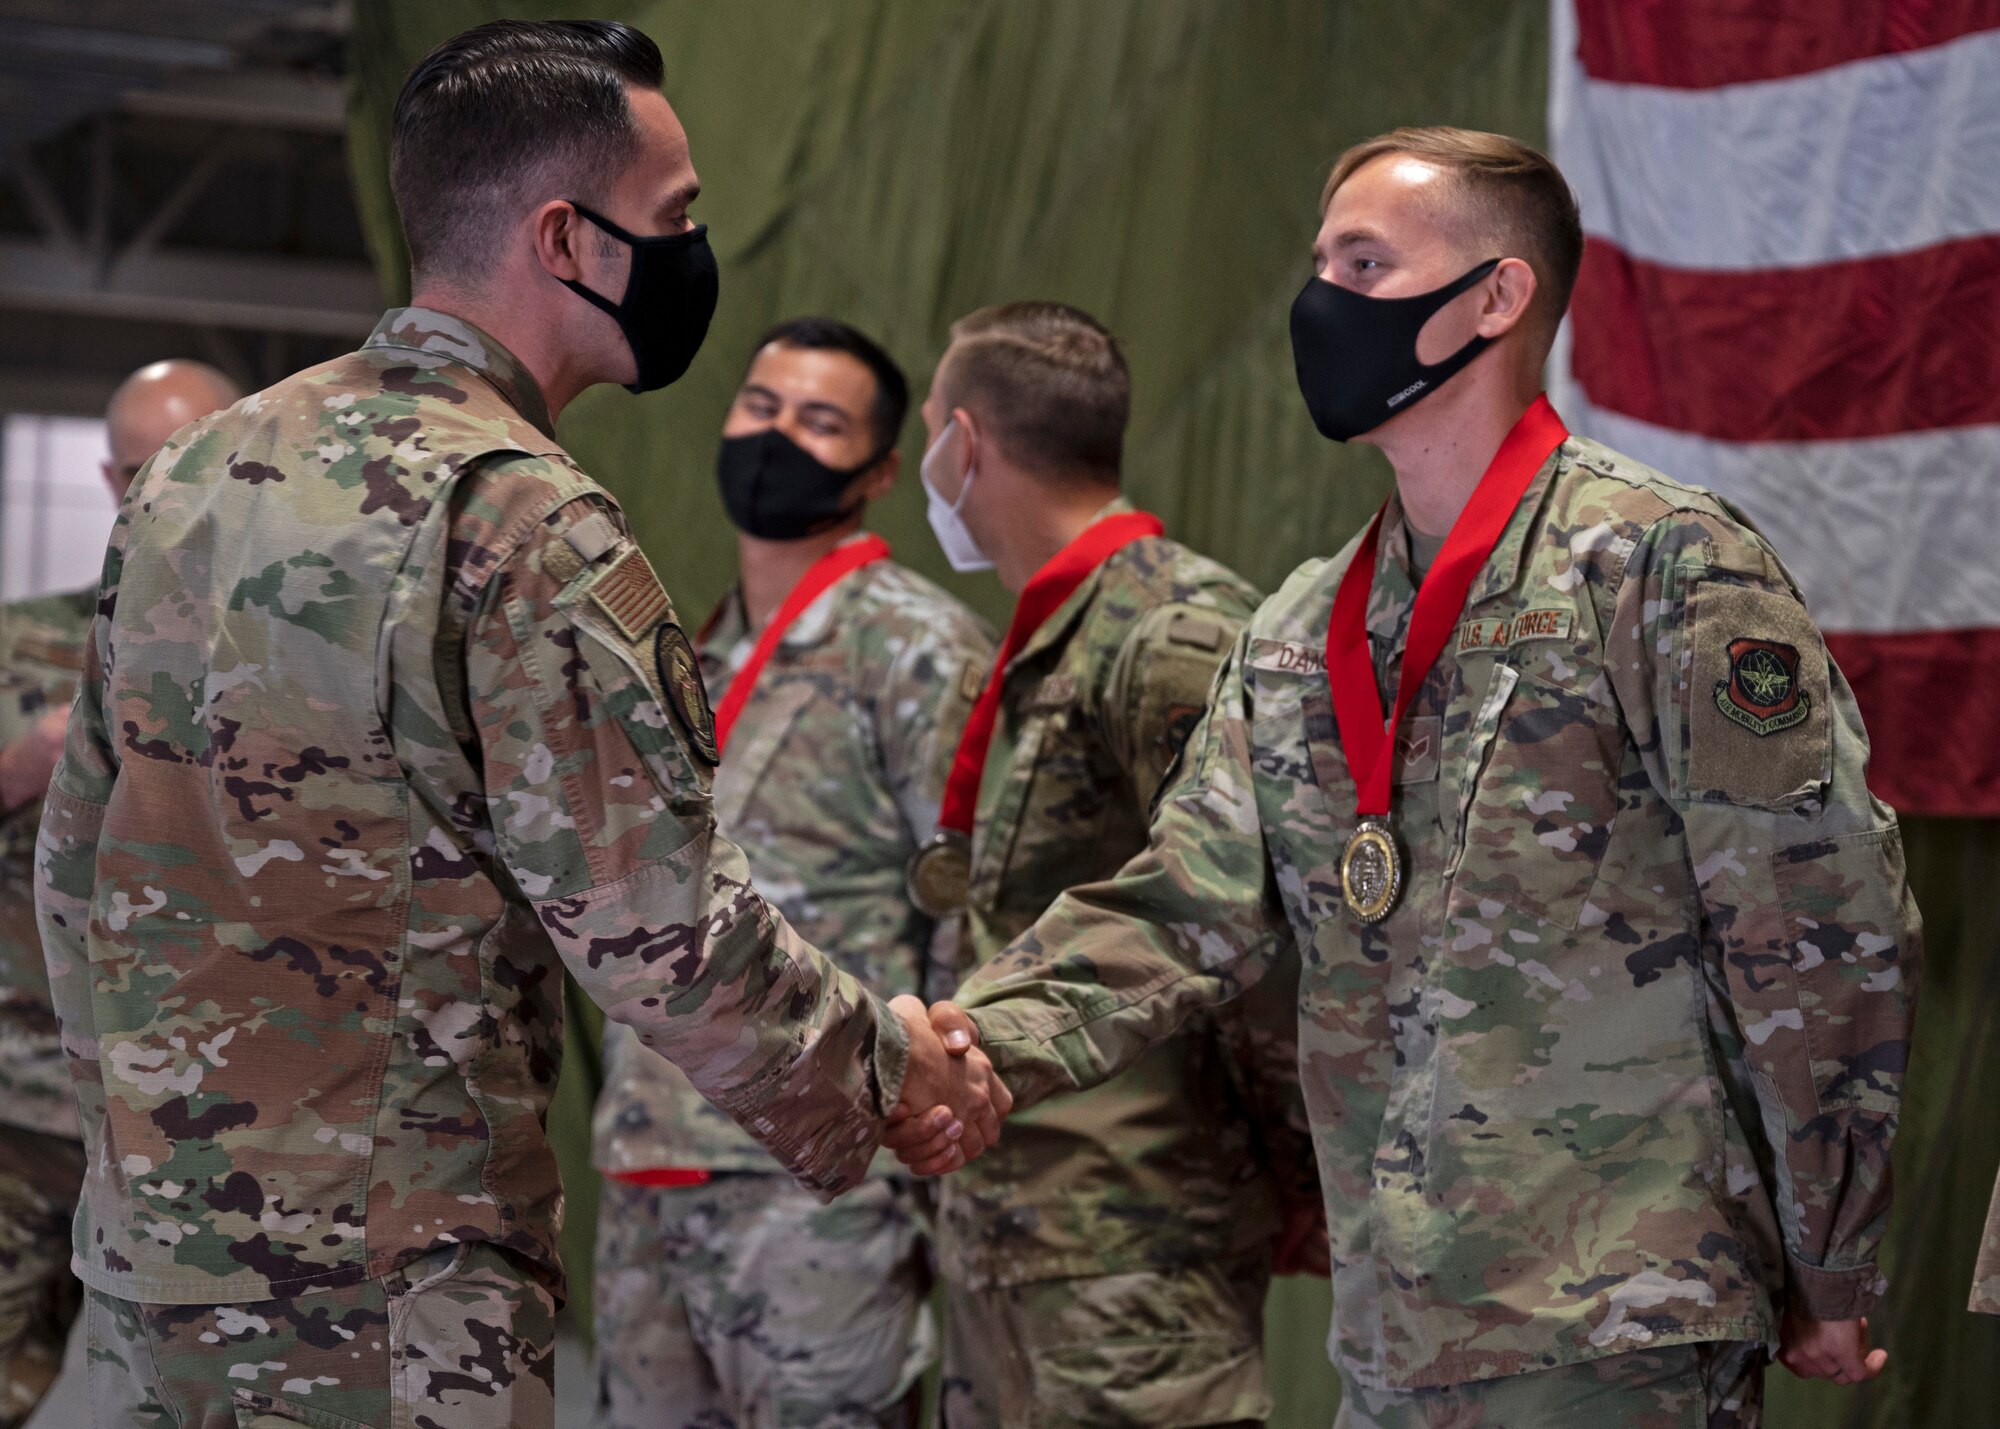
pixel 1759 729
pixel 1761 691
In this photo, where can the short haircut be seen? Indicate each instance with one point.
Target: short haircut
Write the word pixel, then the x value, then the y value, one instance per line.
pixel 505 116
pixel 1515 197
pixel 892 388
pixel 1050 381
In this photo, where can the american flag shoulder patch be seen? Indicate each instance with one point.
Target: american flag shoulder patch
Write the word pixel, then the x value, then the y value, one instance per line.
pixel 630 594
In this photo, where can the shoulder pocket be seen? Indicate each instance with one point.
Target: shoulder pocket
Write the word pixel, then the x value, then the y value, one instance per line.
pixel 1756 712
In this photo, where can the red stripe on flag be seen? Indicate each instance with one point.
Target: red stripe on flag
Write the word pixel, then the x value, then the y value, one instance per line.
pixel 1928 699
pixel 1863 348
pixel 1698 44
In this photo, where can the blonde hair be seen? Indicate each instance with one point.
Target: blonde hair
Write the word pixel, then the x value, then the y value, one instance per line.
pixel 1049 379
pixel 1514 196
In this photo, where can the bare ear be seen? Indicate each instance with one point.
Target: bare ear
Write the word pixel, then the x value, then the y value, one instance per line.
pixel 883 476
pixel 559 238
pixel 1510 295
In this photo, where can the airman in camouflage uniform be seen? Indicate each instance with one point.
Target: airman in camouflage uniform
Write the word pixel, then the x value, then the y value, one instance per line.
pixel 41 1151
pixel 41 1156
pixel 386 722
pixel 1614 1084
pixel 725 1295
pixel 1107 1263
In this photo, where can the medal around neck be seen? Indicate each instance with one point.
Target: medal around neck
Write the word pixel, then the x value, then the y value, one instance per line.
pixel 939 878
pixel 1371 866
pixel 1371 871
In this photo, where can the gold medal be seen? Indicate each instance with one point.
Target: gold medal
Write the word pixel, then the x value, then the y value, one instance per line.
pixel 1371 871
pixel 939 878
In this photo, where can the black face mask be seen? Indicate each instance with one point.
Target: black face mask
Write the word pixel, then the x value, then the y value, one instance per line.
pixel 669 298
pixel 1357 356
pixel 774 488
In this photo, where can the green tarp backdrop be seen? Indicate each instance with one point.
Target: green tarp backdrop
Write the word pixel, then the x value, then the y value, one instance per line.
pixel 900 162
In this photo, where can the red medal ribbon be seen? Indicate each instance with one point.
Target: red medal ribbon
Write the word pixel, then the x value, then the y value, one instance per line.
pixel 1044 594
pixel 670 1176
pixel 1366 739
pixel 842 560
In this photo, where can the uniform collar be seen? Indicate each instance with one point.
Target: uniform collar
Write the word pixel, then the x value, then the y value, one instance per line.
pixel 816 624
pixel 442 335
pixel 1395 590
pixel 1057 627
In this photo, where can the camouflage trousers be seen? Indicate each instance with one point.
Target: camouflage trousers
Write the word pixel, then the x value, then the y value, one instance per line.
pixel 747 1304
pixel 40 1179
pixel 1719 1385
pixel 1158 1348
pixel 459 1339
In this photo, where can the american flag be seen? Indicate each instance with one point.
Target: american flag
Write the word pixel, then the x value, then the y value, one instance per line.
pixel 1791 295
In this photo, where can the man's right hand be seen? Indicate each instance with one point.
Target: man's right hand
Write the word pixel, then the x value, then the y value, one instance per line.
pixel 949 1075
pixel 27 763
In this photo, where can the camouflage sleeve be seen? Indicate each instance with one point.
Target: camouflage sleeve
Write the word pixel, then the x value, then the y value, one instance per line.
pixel 1191 922
pixel 591 727
pixel 1159 687
pixel 1986 1273
pixel 66 849
pixel 1810 934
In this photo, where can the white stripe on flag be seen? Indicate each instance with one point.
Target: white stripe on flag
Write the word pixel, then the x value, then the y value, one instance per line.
pixel 1884 534
pixel 1883 155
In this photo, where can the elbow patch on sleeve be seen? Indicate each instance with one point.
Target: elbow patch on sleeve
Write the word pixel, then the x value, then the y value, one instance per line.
pixel 1758 711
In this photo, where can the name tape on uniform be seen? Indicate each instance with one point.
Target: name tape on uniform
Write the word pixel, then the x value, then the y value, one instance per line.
pixel 1288 657
pixel 1503 632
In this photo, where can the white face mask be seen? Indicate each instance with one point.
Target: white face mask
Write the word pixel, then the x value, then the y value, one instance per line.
pixel 946 521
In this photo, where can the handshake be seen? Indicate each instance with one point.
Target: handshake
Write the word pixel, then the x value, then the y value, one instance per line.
pixel 953 1101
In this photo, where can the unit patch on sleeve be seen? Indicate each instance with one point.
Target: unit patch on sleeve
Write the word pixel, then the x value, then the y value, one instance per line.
pixel 1754 695
pixel 679 674
pixel 1761 691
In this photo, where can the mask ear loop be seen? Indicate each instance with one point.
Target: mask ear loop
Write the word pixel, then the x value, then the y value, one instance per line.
pixel 1474 345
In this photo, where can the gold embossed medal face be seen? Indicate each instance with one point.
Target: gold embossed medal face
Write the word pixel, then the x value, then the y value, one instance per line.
pixel 1371 871
pixel 940 875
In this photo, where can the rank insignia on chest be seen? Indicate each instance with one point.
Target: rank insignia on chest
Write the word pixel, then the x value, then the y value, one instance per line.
pixel 1761 691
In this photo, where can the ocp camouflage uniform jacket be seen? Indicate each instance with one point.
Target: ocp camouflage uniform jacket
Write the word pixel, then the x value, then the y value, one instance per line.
pixel 385 722
pixel 41 651
pixel 1623 1067
pixel 1184 1157
pixel 1986 1274
pixel 830 784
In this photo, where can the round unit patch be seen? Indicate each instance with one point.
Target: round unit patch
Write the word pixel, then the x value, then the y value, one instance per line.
pixel 680 678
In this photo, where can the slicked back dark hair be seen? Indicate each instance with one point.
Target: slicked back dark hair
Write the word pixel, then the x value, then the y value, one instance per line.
pixel 505 116
pixel 892 388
